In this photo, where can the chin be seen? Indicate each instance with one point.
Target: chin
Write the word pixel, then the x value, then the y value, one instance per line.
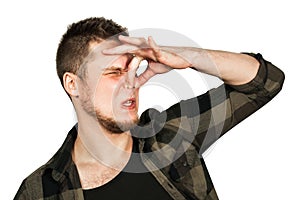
pixel 127 117
pixel 121 127
pixel 118 125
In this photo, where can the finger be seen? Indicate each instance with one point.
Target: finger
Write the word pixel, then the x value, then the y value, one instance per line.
pixel 122 49
pixel 155 48
pixel 132 68
pixel 153 44
pixel 143 78
pixel 135 62
pixel 132 40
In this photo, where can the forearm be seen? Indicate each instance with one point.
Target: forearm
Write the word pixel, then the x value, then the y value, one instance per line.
pixel 232 68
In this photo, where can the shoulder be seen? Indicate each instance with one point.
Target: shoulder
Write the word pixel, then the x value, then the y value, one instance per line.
pixel 32 186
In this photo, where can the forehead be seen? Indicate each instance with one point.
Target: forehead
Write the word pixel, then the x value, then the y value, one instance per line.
pixel 96 59
pixel 103 44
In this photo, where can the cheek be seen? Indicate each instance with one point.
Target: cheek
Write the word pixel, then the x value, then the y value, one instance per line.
pixel 106 91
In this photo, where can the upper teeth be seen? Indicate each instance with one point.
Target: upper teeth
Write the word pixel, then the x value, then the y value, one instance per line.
pixel 128 103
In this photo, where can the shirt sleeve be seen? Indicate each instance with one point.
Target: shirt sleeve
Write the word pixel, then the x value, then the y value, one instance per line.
pixel 224 107
pixel 22 192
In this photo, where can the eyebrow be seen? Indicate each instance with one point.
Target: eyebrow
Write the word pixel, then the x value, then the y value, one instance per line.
pixel 119 68
pixel 113 68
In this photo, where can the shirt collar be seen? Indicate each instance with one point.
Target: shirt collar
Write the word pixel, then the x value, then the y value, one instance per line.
pixel 62 159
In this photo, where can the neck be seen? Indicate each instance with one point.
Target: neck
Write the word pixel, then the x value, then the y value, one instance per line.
pixel 94 144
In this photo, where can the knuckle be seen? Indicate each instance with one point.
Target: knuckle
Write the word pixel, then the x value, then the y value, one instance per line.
pixel 142 40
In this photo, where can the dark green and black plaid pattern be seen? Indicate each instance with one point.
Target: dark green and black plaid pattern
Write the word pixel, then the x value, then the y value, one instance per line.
pixel 195 130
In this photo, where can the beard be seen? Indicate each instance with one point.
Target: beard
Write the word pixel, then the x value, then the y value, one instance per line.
pixel 110 124
pixel 115 127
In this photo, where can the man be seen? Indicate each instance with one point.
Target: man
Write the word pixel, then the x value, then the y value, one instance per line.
pixel 111 153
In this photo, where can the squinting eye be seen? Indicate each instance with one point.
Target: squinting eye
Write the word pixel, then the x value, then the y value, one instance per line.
pixel 116 72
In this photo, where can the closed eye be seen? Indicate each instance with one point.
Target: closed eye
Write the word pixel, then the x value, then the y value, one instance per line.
pixel 116 72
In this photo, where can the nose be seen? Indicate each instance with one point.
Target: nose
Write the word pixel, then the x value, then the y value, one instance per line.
pixel 130 78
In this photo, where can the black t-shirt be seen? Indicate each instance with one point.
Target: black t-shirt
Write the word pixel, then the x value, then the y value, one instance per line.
pixel 129 185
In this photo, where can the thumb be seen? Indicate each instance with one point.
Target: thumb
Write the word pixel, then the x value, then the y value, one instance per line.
pixel 133 66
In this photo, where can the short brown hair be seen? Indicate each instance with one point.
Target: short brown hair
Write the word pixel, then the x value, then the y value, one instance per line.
pixel 74 45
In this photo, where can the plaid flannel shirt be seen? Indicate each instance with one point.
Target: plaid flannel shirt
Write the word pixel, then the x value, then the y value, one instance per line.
pixel 183 129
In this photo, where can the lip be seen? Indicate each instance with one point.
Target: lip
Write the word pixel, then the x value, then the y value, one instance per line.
pixel 129 104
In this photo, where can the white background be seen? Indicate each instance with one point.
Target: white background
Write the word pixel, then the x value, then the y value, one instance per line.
pixel 258 159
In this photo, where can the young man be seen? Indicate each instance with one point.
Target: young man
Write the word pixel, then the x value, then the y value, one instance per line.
pixel 112 153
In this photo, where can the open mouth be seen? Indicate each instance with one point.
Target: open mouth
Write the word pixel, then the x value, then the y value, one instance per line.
pixel 129 104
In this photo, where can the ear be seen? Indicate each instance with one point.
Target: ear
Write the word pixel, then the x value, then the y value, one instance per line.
pixel 70 84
